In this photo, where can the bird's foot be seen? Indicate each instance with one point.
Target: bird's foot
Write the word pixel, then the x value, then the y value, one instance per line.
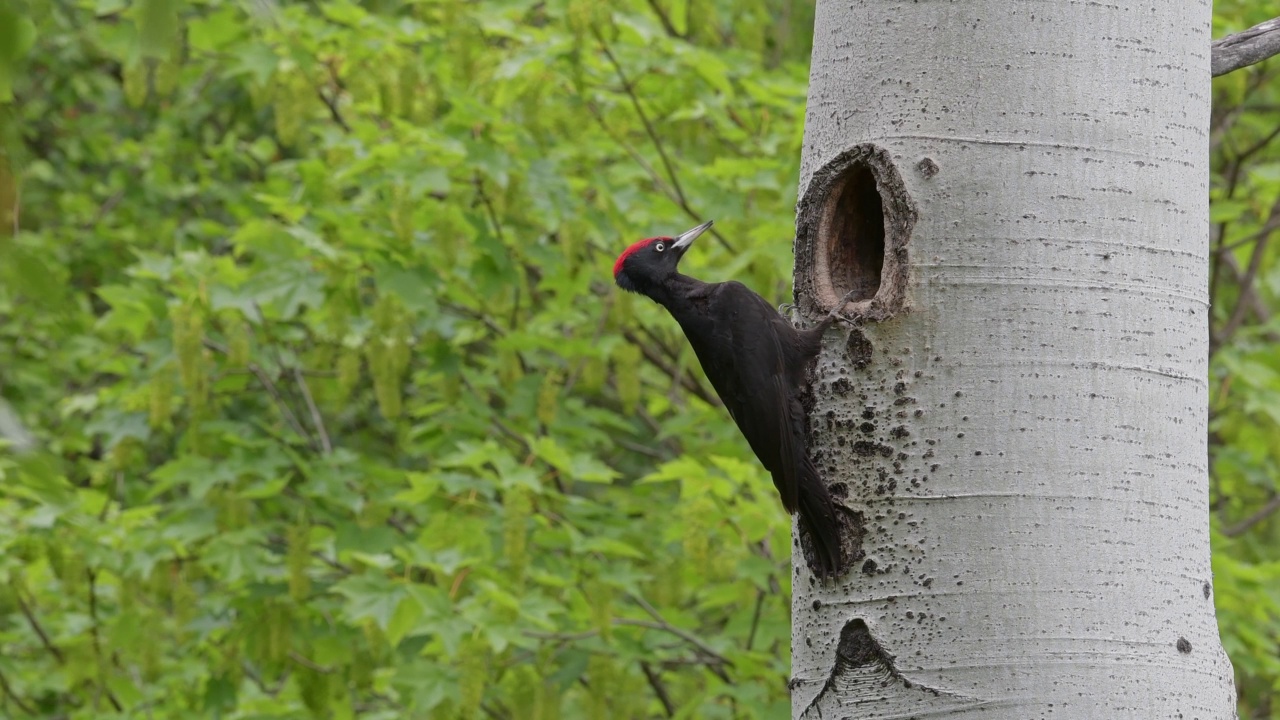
pixel 835 311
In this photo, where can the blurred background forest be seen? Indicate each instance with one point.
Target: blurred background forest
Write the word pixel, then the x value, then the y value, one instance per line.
pixel 332 411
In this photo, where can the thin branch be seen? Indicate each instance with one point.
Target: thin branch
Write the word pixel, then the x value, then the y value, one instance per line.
pixel 1246 282
pixel 1217 237
pixel 502 236
pixel 1268 228
pixel 665 19
pixel 711 658
pixel 1258 146
pixel 304 662
pixel 1218 129
pixel 641 449
pixel 653 137
pixel 488 322
pixel 690 384
pixel 331 102
pixel 755 619
pixel 658 180
pixel 561 636
pixel 284 406
pixel 35 625
pixel 316 418
pixel 1260 310
pixel 644 117
pixel 678 377
pixel 271 389
pixel 1263 513
pixel 717 659
pixel 662 624
pixel 104 209
pixel 609 300
pixel 1233 177
pixel 9 693
pixel 488 206
pixel 672 353
pixel 331 562
pixel 1246 48
pixel 258 680
pixel 510 432
pixel 659 689
pixel 95 635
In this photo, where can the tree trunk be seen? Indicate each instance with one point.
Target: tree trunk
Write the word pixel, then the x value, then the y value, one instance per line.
pixel 1018 427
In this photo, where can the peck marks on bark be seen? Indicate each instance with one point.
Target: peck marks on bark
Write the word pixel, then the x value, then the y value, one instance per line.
pixel 864 669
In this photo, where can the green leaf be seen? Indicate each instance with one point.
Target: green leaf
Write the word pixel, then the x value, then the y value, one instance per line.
pixel 370 597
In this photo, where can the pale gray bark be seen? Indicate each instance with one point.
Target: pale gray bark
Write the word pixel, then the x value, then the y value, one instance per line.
pixel 1019 425
pixel 1247 47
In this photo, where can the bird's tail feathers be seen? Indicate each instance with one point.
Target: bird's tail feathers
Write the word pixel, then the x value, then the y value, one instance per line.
pixel 820 521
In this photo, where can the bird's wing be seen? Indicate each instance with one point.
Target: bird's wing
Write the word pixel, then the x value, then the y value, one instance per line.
pixel 753 382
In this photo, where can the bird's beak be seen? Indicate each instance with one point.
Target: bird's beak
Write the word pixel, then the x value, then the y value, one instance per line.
pixel 688 236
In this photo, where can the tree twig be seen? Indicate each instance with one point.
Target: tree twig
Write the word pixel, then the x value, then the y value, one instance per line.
pixel 662 624
pixel 9 693
pixel 595 341
pixel 689 382
pixel 659 689
pixel 641 449
pixel 95 636
pixel 755 618
pixel 1233 177
pixel 644 117
pixel 1246 48
pixel 1218 129
pixel 1258 146
pixel 265 380
pixel 1246 282
pixel 658 180
pixel 1263 513
pixel 331 102
pixel 331 562
pixel 316 418
pixel 664 19
pixel 304 662
pixel 630 90
pixel 711 658
pixel 1271 225
pixel 488 206
pixel 35 625
pixel 258 680
pixel 1261 313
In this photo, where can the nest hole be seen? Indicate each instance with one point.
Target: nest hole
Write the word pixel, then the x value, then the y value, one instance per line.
pixel 852 235
pixel 852 230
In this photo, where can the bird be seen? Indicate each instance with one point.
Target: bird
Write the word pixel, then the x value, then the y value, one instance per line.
pixel 758 363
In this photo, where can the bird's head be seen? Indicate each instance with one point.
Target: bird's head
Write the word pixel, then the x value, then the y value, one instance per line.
pixel 649 263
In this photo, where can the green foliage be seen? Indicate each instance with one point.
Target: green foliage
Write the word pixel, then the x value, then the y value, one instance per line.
pixel 310 310
pixel 1244 380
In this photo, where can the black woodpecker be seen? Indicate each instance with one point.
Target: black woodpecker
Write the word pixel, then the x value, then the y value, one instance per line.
pixel 758 363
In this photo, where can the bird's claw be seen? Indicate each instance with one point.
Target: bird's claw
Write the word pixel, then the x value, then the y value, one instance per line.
pixel 835 311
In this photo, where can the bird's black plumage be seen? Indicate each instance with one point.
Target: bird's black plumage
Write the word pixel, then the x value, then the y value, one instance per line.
pixel 758 364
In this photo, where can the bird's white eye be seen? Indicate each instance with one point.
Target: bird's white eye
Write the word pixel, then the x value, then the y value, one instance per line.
pixel 659 247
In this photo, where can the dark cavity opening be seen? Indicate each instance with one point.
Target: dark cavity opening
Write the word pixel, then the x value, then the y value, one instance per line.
pixel 852 229
pixel 852 235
